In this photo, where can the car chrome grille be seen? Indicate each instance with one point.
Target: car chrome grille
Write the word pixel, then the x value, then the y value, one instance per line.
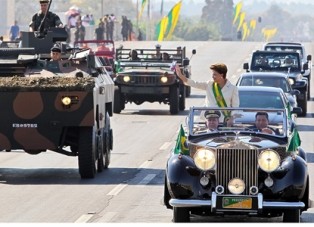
pixel 237 163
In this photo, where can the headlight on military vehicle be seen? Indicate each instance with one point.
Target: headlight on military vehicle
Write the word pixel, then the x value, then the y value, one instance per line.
pixel 204 159
pixel 164 79
pixel 269 160
pixel 291 81
pixel 126 79
pixel 66 101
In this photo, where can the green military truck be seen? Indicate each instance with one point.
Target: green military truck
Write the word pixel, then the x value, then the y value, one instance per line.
pixel 64 106
pixel 147 75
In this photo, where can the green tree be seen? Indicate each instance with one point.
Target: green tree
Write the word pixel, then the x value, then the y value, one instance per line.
pixel 220 13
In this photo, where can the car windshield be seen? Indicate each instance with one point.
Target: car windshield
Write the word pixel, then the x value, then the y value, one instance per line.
pixel 265 99
pixel 286 48
pixel 265 81
pixel 243 120
pixel 280 61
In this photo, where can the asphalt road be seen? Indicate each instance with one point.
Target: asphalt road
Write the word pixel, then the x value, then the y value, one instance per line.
pixel 47 188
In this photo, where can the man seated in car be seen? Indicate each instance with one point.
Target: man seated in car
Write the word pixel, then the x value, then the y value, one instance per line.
pixel 133 55
pixel 212 120
pixel 261 123
pixel 288 62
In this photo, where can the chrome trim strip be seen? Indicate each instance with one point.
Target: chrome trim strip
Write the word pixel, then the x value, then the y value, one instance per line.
pixel 189 202
pixel 261 205
pixel 289 205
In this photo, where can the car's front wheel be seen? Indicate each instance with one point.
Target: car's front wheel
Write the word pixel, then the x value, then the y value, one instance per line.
pixel 174 99
pixel 118 103
pixel 291 216
pixel 309 91
pixel 86 152
pixel 181 214
pixel 303 105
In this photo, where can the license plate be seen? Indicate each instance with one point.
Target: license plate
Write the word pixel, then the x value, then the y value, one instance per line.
pixel 236 203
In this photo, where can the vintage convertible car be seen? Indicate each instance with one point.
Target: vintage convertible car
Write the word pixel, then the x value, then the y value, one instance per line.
pixel 236 170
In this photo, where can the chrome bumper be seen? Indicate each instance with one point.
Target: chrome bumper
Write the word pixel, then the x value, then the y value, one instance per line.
pixel 212 203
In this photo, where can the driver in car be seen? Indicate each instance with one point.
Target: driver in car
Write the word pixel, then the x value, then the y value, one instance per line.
pixel 261 123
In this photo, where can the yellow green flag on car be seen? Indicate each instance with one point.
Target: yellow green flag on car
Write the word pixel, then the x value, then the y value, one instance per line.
pixel 295 141
pixel 181 145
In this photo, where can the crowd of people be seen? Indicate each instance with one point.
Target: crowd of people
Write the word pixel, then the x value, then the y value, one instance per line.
pixel 77 24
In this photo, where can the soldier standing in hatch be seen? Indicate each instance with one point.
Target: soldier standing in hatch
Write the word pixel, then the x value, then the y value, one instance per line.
pixel 52 19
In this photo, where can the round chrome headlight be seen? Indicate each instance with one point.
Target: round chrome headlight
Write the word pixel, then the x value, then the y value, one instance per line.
pixel 164 79
pixel 236 186
pixel 268 160
pixel 291 81
pixel 126 79
pixel 204 159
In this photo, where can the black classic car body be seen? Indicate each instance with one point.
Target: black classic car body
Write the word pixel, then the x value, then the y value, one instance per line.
pixel 276 61
pixel 236 170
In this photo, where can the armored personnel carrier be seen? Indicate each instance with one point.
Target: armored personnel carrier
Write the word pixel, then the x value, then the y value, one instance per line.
pixel 63 106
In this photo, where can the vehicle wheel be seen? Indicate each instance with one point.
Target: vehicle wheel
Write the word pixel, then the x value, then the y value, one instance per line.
pixel 303 105
pixel 182 97
pixel 86 152
pixel 107 142
pixel 187 88
pixel 107 151
pixel 100 147
pixel 110 139
pixel 181 214
pixel 174 99
pixel 167 196
pixel 306 195
pixel 291 216
pixel 309 91
pixel 117 101
pixel 188 91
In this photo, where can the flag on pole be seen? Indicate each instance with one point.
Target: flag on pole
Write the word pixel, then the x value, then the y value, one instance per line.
pixel 173 17
pixel 161 28
pixel 144 2
pixel 181 146
pixel 162 8
pixel 242 17
pixel 237 11
pixel 295 141
pixel 253 24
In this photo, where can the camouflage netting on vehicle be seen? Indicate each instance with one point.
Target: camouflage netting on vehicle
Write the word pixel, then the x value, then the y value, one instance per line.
pixel 46 84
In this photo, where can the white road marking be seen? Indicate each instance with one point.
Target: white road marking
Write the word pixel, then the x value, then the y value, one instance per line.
pixel 116 190
pixel 145 164
pixel 84 218
pixel 165 146
pixel 147 179
pixel 107 217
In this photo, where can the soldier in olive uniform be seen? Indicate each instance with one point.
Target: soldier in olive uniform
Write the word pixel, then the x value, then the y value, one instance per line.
pixel 52 19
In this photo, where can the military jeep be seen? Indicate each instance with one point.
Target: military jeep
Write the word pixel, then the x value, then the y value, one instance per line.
pixel 64 106
pixel 148 77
